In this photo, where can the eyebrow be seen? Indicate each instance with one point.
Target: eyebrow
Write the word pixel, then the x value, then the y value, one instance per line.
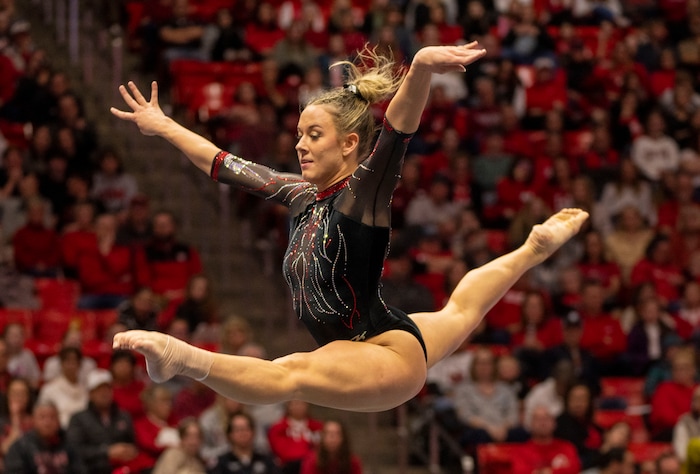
pixel 313 125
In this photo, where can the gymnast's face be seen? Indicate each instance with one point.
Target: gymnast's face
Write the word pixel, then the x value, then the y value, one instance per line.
pixel 325 156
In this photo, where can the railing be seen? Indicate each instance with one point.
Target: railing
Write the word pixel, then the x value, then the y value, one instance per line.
pixel 439 442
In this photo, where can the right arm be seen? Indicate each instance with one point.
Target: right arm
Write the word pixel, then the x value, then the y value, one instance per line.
pixel 206 156
pixel 151 120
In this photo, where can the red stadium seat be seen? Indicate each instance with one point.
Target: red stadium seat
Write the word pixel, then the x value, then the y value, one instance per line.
pixel 648 451
pixel 15 133
pixel 23 316
pixel 630 389
pixel 104 318
pixel 192 78
pixel 51 324
pixel 57 293
pixel 101 351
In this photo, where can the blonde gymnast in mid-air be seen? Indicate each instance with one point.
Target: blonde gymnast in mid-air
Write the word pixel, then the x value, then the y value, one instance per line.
pixel 372 357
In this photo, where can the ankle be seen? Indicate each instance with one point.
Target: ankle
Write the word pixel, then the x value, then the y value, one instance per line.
pixel 193 362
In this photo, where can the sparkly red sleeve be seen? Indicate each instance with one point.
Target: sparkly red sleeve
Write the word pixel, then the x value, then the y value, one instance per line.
pixel 258 179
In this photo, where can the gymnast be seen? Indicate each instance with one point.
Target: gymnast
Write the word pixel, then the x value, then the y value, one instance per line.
pixel 372 357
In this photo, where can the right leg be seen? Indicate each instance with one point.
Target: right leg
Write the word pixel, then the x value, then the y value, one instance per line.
pixel 481 288
pixel 373 375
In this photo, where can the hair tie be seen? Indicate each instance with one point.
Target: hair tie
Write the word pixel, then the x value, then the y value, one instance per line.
pixel 353 88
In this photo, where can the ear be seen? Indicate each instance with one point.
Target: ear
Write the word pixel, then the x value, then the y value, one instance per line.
pixel 349 144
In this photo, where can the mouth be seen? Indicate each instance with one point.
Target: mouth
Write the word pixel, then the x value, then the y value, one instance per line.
pixel 304 163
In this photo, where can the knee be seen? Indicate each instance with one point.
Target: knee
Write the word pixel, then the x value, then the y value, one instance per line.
pixel 294 370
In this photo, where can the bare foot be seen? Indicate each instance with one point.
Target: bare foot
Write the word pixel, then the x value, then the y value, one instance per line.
pixel 546 238
pixel 156 348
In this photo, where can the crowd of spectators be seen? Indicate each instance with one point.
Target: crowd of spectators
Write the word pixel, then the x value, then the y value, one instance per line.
pixel 585 103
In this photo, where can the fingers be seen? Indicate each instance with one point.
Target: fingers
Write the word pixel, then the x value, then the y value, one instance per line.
pixel 127 98
pixel 154 93
pixel 121 114
pixel 137 94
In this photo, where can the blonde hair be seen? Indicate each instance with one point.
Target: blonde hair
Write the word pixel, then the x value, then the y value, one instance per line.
pixel 371 78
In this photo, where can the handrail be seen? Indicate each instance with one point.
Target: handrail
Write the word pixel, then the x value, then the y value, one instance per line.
pixel 438 438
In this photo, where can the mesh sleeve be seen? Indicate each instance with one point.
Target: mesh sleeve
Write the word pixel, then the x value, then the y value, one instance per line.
pixel 373 182
pixel 285 188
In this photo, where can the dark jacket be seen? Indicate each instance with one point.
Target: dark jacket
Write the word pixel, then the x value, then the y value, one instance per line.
pixel 259 464
pixel 91 438
pixel 31 454
pixel 589 372
pixel 638 348
pixel 586 437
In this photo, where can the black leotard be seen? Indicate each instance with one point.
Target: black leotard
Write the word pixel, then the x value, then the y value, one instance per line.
pixel 338 242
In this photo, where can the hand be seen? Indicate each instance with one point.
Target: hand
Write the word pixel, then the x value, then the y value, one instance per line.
pixel 498 433
pixel 147 115
pixel 122 452
pixel 441 59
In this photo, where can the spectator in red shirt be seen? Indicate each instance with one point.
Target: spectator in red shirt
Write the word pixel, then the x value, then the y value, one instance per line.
pixel 673 397
pixel 538 332
pixel 262 33
pixel 504 317
pixel 546 93
pixel 602 333
pixel 36 247
pixel 165 264
pixel 512 192
pixel 334 453
pixel 77 237
pixel 682 189
pixel 294 437
pixel 687 318
pixel 601 160
pixel 155 431
pixel 105 269
pixel 658 268
pixel 515 140
pixel 610 74
pixel 594 265
pixel 126 385
pixel 686 238
pixel 544 453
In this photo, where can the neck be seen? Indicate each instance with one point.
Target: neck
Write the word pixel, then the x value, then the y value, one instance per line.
pixel 242 451
pixel 332 189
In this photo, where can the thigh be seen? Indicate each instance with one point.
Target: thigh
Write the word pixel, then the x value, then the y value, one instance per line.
pixel 374 375
pixel 444 331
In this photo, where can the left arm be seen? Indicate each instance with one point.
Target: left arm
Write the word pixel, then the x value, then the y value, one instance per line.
pixel 405 109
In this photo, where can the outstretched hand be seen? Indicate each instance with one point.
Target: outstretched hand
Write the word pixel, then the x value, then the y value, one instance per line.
pixel 147 115
pixel 442 59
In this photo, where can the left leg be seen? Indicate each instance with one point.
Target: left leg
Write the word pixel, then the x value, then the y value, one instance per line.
pixel 375 375
pixel 481 288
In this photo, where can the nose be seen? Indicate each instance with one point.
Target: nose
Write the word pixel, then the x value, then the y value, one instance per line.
pixel 299 147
